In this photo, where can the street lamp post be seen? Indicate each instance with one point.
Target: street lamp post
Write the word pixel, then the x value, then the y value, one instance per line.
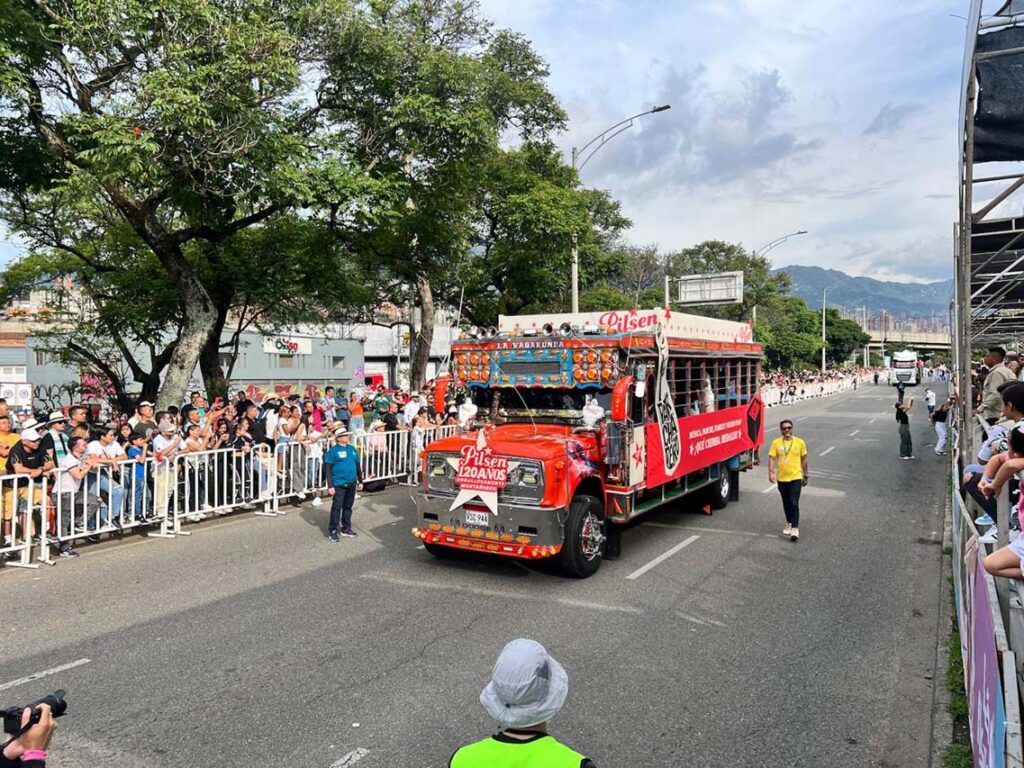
pixel 600 140
pixel 761 252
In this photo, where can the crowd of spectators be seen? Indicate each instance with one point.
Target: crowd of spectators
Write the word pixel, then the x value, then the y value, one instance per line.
pixel 124 469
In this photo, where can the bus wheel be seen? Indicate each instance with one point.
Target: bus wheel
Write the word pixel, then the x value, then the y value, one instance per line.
pixel 442 552
pixel 583 547
pixel 719 490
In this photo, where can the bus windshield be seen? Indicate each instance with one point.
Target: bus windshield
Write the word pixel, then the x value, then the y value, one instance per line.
pixel 526 403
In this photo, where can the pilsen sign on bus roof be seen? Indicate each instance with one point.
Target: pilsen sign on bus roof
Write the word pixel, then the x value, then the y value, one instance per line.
pixel 677 324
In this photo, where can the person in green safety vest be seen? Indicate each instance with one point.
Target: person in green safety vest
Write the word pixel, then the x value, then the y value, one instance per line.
pixel 527 688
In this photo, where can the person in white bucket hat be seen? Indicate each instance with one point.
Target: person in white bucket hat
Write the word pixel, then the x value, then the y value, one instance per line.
pixel 527 688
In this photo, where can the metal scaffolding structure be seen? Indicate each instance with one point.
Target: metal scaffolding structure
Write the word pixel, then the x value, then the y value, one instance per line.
pixel 989 251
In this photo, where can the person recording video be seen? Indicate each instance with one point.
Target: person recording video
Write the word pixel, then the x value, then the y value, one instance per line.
pixel 29 749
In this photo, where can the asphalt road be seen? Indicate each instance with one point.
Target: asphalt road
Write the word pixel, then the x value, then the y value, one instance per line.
pixel 255 642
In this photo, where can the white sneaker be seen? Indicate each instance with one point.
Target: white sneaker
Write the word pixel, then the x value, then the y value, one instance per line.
pixel 193 518
pixel 794 534
pixel 787 530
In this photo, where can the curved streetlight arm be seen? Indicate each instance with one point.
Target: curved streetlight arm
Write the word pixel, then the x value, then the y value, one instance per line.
pixel 605 138
pixel 629 120
pixel 777 241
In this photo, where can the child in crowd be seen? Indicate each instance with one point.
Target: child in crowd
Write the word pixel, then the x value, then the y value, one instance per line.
pixel 1006 561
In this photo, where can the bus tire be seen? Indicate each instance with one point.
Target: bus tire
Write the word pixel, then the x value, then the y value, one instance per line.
pixel 720 488
pixel 584 539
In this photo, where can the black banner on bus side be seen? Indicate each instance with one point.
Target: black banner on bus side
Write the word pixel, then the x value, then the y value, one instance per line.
pixel 668 425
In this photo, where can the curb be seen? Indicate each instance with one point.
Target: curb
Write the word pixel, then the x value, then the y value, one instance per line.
pixel 942 721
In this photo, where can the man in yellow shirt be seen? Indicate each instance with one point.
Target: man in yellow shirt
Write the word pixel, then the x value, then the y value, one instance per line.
pixel 787 465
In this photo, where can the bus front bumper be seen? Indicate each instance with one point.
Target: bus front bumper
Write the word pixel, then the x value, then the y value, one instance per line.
pixel 516 531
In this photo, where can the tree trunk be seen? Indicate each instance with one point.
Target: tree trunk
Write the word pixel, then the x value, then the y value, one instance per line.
pixel 200 319
pixel 209 361
pixel 424 336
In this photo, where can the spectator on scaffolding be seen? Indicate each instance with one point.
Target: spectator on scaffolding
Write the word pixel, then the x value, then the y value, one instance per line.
pixel 143 420
pixel 997 375
pixel 105 477
pixel 28 460
pixel 73 505
pixel 995 443
pixel 55 442
pixel 1006 561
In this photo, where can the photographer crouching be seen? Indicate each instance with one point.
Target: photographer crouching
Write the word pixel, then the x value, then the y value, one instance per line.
pixel 30 732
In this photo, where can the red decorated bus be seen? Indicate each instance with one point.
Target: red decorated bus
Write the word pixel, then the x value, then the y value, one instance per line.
pixel 575 424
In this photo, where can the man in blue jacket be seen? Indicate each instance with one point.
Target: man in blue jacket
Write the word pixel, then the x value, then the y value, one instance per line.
pixel 342 460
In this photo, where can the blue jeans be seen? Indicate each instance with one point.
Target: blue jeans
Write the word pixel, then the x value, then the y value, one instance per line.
pixel 140 505
pixel 341 507
pixel 790 492
pixel 114 506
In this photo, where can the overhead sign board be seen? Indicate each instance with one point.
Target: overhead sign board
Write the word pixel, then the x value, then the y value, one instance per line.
pixel 692 290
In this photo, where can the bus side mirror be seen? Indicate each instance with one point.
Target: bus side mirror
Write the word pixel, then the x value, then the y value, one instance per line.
pixel 620 398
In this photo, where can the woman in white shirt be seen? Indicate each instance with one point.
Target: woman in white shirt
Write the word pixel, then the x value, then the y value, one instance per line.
pixel 107 457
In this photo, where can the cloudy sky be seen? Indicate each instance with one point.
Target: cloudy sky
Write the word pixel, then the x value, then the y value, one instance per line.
pixel 830 116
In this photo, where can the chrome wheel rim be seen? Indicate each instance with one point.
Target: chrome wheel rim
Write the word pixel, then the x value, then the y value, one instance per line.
pixel 723 486
pixel 591 536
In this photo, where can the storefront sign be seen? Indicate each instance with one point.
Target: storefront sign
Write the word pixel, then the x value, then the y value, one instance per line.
pixel 287 345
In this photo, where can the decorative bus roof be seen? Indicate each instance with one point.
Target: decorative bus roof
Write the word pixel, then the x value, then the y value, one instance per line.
pixel 678 325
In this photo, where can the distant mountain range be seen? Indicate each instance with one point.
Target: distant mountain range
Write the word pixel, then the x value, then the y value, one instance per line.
pixel 909 299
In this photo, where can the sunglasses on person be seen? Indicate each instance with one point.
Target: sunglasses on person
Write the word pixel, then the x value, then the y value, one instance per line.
pixel 787 428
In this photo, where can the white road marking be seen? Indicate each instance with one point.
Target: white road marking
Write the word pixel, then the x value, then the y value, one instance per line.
pixel 351 758
pixel 872 421
pixel 855 433
pixel 44 673
pixel 828 450
pixel 661 558
pixel 695 620
pixel 769 489
pixel 512 595
pixel 729 531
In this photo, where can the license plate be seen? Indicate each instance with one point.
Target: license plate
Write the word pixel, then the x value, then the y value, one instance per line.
pixel 477 518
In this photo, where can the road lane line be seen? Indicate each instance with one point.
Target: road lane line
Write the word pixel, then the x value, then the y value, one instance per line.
pixel 769 489
pixel 828 450
pixel 44 673
pixel 399 581
pixel 350 759
pixel 729 531
pixel 872 421
pixel 703 622
pixel 661 558
pixel 855 433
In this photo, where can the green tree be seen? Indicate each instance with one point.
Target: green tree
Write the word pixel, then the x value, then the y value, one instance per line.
pixel 843 337
pixel 790 333
pixel 190 121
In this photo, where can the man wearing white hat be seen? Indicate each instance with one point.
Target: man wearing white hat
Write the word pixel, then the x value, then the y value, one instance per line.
pixel 346 476
pixel 527 688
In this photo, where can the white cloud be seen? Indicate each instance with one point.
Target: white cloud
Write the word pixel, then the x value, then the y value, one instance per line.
pixel 834 117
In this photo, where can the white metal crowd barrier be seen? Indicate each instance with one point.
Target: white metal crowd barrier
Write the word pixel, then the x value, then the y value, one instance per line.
pixel 773 394
pixel 159 494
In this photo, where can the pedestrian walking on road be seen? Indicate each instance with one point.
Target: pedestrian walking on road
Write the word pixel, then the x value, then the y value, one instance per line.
pixel 787 466
pixel 527 688
pixel 342 461
pixel 929 400
pixel 903 421
pixel 939 418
